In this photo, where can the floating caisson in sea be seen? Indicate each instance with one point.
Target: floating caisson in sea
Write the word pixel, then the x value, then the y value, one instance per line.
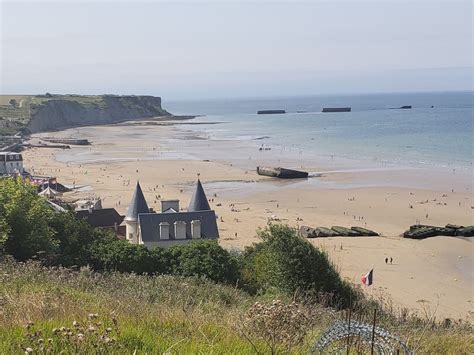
pixel 281 173
pixel 270 112
pixel 336 109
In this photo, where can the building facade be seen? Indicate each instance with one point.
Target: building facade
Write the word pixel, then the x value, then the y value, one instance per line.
pixel 170 226
pixel 11 163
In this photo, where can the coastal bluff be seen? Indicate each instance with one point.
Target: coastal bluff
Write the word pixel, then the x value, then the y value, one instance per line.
pixel 72 111
pixel 38 113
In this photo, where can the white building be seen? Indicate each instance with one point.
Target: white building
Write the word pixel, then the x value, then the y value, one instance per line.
pixel 11 163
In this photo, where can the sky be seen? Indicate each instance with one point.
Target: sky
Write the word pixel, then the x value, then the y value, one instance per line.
pixel 198 49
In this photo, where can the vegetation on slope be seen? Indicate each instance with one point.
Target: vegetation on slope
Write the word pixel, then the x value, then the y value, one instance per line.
pixel 16 111
pixel 115 297
pixel 48 310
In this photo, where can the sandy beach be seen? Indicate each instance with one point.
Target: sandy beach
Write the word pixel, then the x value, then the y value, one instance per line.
pixel 434 274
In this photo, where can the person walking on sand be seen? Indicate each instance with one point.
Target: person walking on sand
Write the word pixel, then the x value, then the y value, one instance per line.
pixel 391 260
pixel 386 260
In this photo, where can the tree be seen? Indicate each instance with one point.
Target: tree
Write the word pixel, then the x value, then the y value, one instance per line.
pixel 289 263
pixel 205 258
pixel 27 220
pixel 120 255
pixel 4 232
pixel 74 237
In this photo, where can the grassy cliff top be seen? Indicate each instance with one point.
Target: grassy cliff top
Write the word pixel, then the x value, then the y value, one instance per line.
pixel 17 110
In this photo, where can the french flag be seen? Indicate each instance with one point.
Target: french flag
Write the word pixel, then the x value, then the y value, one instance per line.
pixel 368 278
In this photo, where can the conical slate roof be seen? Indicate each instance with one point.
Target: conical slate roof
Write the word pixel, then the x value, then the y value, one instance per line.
pixel 199 200
pixel 137 205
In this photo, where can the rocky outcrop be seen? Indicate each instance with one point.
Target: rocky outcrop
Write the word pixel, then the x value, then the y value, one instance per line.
pixel 71 111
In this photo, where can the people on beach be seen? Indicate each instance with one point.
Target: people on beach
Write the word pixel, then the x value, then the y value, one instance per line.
pixel 386 260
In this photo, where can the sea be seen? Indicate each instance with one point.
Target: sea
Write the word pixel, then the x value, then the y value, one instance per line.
pixel 438 131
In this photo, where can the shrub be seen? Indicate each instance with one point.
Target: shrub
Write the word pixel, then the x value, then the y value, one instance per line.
pixel 290 264
pixel 27 219
pixel 205 258
pixel 281 326
pixel 120 255
pixel 74 237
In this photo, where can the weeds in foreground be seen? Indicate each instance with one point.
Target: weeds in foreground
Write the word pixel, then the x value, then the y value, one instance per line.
pixel 78 337
pixel 46 310
pixel 279 325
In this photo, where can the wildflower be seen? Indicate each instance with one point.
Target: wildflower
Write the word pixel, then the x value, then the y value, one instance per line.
pixel 56 330
pixel 108 330
pixel 91 329
pixel 93 315
pixel 28 350
pixel 75 324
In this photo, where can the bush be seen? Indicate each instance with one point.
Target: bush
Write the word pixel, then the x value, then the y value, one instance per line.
pixel 290 264
pixel 281 326
pixel 25 226
pixel 120 255
pixel 74 237
pixel 205 258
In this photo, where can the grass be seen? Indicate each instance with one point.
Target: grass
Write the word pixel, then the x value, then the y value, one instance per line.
pixel 52 310
pixel 14 117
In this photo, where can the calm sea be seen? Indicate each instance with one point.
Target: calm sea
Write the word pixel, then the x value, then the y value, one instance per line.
pixel 437 131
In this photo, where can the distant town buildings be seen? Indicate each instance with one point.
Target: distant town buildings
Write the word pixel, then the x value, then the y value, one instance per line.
pixel 11 163
pixel 170 227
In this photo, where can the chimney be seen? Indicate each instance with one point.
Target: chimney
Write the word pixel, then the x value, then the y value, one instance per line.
pixel 167 204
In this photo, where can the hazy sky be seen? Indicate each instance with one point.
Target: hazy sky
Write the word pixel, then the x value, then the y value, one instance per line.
pixel 235 49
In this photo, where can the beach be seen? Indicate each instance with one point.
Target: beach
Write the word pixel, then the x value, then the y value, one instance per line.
pixel 433 275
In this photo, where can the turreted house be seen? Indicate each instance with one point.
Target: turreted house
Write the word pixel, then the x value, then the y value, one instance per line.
pixel 170 227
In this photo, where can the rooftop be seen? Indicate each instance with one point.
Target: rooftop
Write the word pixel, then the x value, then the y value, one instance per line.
pixel 137 205
pixel 199 200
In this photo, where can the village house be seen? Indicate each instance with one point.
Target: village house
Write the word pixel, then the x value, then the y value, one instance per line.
pixel 106 218
pixel 170 226
pixel 11 163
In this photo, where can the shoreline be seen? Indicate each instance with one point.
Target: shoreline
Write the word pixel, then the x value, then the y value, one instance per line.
pixel 163 157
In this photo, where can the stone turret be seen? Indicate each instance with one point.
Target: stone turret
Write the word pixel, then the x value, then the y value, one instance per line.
pixel 199 200
pixel 137 205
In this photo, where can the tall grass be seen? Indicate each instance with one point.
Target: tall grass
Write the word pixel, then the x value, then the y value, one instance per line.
pixel 48 310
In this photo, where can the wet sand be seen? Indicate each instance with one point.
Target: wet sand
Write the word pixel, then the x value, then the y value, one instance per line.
pixel 434 273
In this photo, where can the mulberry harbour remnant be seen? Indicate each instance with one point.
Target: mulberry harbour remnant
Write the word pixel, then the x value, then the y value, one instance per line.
pixel 336 109
pixel 281 173
pixel 270 112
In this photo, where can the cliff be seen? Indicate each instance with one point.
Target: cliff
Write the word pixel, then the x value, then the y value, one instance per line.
pixel 51 112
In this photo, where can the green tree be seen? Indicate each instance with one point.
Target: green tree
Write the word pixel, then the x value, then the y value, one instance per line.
pixel 205 258
pixel 289 263
pixel 4 232
pixel 74 237
pixel 27 218
pixel 120 255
